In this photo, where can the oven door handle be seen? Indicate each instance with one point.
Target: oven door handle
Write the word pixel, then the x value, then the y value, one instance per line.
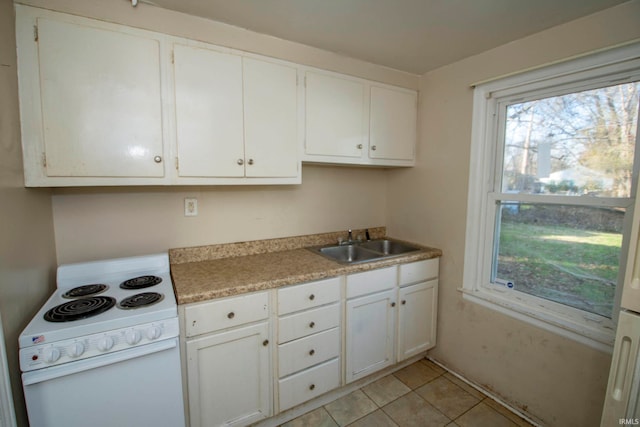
pixel 53 372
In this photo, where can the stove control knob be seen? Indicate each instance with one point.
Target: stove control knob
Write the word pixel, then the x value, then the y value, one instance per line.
pixel 133 337
pixel 76 349
pixel 51 354
pixel 105 344
pixel 153 333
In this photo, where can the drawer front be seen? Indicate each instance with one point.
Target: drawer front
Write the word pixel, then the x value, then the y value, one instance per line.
pixel 300 354
pixel 308 384
pixel 225 313
pixel 419 271
pixel 308 295
pixel 372 281
pixel 308 322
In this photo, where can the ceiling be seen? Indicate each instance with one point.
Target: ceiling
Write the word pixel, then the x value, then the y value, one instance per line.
pixel 409 35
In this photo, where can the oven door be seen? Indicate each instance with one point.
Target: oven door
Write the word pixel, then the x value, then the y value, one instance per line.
pixel 137 387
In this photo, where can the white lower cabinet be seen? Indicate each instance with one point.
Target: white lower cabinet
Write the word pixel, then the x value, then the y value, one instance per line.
pixel 417 319
pixel 326 333
pixel 370 322
pixel 228 362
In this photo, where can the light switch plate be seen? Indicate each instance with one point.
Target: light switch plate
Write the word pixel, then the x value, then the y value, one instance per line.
pixel 190 207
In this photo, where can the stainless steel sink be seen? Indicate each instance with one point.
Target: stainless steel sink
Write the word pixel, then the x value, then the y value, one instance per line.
pixel 372 250
pixel 388 247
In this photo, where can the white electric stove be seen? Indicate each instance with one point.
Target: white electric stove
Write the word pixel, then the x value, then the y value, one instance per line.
pixel 109 333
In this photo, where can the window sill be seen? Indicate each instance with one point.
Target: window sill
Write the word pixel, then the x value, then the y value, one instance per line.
pixel 591 330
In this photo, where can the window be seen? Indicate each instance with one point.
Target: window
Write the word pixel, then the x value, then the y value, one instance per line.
pixel 552 184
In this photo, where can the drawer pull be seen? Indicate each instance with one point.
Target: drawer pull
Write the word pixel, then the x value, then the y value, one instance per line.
pixel 404 302
pixel 231 315
pixel 312 297
pixel 265 343
pixel 312 386
pixel 312 324
pixel 393 304
pixel 312 352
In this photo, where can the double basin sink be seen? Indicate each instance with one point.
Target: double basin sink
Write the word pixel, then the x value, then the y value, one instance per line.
pixel 358 252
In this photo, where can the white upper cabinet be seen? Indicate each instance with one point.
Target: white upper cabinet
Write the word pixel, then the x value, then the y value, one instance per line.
pixel 355 121
pixel 392 123
pixel 208 103
pixel 335 114
pixel 236 117
pixel 90 102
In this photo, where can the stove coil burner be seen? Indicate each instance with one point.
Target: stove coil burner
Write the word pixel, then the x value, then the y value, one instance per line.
pixel 140 282
pixel 85 290
pixel 79 309
pixel 141 300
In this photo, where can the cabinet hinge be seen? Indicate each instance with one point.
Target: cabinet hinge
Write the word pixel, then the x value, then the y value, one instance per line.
pixel 305 81
pixel 173 57
pixel 177 165
pixel 44 160
pixel 35 33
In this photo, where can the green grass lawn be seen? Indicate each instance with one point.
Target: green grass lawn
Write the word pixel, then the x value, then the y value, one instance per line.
pixel 578 268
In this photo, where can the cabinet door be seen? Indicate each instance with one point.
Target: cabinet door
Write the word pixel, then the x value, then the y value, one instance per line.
pixel 335 114
pixel 370 328
pixel 270 119
pixel 229 381
pixel 417 318
pixel 392 124
pixel 101 101
pixel 209 122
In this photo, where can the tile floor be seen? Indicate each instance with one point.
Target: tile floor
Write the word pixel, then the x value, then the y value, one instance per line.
pixel 422 395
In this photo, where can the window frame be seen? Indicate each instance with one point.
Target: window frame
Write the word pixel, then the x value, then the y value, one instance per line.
pixel 614 66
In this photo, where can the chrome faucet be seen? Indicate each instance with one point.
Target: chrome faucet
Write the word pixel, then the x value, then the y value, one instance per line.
pixel 350 240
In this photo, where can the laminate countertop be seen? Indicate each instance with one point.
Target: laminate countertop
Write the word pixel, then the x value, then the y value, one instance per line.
pixel 209 272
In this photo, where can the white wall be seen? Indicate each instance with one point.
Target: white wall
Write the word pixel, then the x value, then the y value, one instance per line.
pixel 555 380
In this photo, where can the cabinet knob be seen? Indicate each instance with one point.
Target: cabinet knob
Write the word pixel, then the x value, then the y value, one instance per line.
pixel 240 162
pixel 373 148
pixel 312 297
pixel 312 324
pixel 231 315
pixel 393 304
pixel 265 343
pixel 404 302
pixel 359 146
pixel 312 386
pixel 312 352
pixel 157 159
pixel 250 161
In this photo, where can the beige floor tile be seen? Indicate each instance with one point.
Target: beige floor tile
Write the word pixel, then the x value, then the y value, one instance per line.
pixel 433 366
pixel 317 418
pixel 466 387
pixel 416 375
pixel 385 390
pixel 351 407
pixel 413 411
pixel 375 419
pixel 482 415
pixel 447 397
pixel 507 413
pixel 453 424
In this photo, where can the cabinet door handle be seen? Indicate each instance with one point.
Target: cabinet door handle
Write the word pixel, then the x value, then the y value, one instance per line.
pixel 312 297
pixel 312 324
pixel 404 302
pixel 250 161
pixel 359 146
pixel 265 343
pixel 231 315
pixel 312 352
pixel 240 162
pixel 393 304
pixel 157 159
pixel 312 386
pixel 373 148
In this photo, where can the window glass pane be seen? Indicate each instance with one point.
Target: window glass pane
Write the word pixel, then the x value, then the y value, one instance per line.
pixel 576 144
pixel 567 254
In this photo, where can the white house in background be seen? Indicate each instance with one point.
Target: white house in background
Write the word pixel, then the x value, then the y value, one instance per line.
pixel 580 176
